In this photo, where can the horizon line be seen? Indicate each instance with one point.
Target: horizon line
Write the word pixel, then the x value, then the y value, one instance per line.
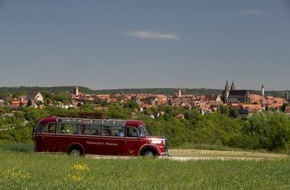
pixel 132 88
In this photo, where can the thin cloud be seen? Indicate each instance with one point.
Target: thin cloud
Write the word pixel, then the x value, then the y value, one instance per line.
pixel 150 35
pixel 253 12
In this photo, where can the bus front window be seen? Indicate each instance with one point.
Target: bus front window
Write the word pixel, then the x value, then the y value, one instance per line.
pixel 142 131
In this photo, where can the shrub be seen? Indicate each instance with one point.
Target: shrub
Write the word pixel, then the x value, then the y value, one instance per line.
pixel 272 129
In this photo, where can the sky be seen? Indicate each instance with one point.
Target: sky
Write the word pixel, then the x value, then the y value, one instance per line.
pixel 118 44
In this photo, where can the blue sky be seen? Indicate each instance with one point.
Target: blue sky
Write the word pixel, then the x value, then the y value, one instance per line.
pixel 145 44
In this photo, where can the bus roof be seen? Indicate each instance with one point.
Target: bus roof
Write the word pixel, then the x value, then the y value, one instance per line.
pixel 108 122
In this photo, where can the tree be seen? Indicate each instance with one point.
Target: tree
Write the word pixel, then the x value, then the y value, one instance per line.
pixel 272 129
pixel 234 113
pixel 86 108
pixel 2 111
pixel 284 106
pixel 29 103
pixel 6 96
pixel 224 110
pixel 63 97
pixel 131 104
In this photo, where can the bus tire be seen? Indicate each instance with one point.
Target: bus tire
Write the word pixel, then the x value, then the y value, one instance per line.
pixel 76 151
pixel 148 153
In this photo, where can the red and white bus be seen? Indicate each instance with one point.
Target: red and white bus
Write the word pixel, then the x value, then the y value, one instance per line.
pixel 81 136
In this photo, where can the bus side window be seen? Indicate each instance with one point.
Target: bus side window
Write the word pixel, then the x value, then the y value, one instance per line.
pixel 76 129
pixel 95 129
pixel 85 130
pixel 71 128
pixel 107 132
pixel 131 132
pixel 96 132
pixel 118 131
pixel 121 132
pixel 49 128
pixel 58 128
pixel 63 128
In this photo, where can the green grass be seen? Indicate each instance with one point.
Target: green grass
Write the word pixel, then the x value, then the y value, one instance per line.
pixel 17 147
pixel 205 146
pixel 27 170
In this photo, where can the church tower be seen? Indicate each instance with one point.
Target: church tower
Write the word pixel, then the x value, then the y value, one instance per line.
pixel 76 90
pixel 179 92
pixel 233 87
pixel 227 91
pixel 263 90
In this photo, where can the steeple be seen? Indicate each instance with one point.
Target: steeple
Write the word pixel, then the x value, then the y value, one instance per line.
pixel 263 90
pixel 76 90
pixel 233 86
pixel 227 91
pixel 179 92
pixel 227 86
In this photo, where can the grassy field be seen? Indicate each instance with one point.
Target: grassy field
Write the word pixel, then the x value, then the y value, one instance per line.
pixel 20 168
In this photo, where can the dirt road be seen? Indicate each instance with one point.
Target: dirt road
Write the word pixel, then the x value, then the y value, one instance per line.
pixel 196 154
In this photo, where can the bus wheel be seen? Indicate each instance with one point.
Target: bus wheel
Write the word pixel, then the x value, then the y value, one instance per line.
pixel 75 151
pixel 148 153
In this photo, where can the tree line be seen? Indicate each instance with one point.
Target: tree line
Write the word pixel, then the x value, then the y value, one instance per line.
pixel 4 91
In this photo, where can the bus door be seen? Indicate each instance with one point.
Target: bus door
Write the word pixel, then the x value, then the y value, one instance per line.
pixel 132 142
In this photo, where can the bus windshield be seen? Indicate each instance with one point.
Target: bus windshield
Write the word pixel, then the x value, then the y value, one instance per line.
pixel 142 131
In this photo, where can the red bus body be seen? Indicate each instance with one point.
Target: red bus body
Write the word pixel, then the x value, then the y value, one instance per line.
pixel 76 135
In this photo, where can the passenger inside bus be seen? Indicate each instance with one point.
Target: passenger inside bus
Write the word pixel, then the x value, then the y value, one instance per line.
pixel 131 132
pixel 63 129
pixel 121 133
pixel 107 132
pixel 84 128
pixel 134 133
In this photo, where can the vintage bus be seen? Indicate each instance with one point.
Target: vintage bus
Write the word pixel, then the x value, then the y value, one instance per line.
pixel 81 136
